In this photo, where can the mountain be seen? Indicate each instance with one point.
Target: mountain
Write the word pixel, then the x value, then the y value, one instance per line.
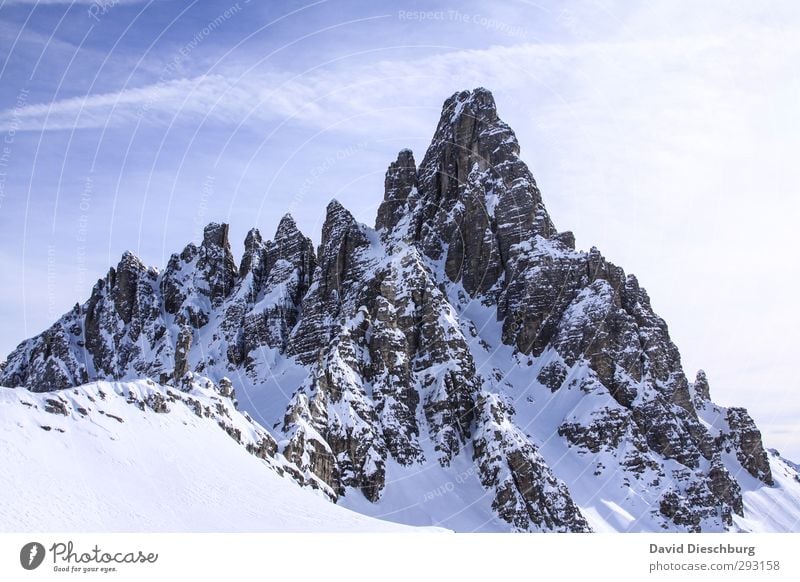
pixel 462 364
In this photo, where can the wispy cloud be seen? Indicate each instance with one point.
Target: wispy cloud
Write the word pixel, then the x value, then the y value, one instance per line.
pixel 130 106
pixel 335 92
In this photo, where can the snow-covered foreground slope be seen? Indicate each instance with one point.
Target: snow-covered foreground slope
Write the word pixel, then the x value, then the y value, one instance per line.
pixel 108 465
pixel 772 509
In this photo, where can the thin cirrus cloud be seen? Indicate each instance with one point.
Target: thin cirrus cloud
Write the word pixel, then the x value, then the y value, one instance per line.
pixel 337 92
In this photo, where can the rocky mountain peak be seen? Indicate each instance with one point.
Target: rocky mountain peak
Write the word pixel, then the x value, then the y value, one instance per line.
pixel 126 284
pixel 477 202
pixel 290 243
pixel 469 136
pixel 130 262
pixel 337 220
pixel 477 104
pixel 701 388
pixel 216 235
pixel 216 262
pixel 253 239
pixel 287 227
pixel 253 249
pixel 399 185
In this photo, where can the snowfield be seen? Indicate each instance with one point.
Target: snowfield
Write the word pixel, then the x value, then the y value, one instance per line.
pixel 108 465
pixel 121 469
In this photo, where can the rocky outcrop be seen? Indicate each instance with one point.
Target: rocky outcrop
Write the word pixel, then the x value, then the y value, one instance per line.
pixel 265 306
pixel 400 186
pixel 745 439
pixel 476 200
pixel 50 361
pixel 392 358
pixel 701 389
pixel 724 487
pixel 197 281
pixel 526 493
pixel 216 263
pixel 342 258
pixel 690 504
pixel 182 348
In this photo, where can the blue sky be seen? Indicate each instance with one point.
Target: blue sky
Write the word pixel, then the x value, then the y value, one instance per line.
pixel 663 132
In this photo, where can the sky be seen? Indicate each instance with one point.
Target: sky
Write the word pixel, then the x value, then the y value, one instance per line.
pixel 663 132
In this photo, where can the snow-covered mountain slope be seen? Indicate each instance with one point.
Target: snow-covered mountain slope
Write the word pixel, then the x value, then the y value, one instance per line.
pixel 136 456
pixel 462 364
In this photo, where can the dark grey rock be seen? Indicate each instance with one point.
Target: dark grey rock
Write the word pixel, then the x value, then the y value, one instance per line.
pixel 400 185
pixel 745 438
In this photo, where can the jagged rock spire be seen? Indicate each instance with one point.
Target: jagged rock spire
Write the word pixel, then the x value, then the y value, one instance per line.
pixel 337 221
pixel 399 185
pixel 701 388
pixel 293 246
pixel 472 195
pixel 129 270
pixel 253 248
pixel 287 228
pixel 216 261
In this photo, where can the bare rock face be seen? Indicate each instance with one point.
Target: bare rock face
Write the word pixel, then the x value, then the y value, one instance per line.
pixel 182 348
pixel 50 361
pixel 527 494
pixel 216 262
pixel 342 443
pixel 724 486
pixel 464 329
pixel 342 258
pixel 264 308
pixel 745 438
pixel 197 281
pixel 701 389
pixel 475 199
pixel 689 503
pixel 389 357
pixel 400 186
